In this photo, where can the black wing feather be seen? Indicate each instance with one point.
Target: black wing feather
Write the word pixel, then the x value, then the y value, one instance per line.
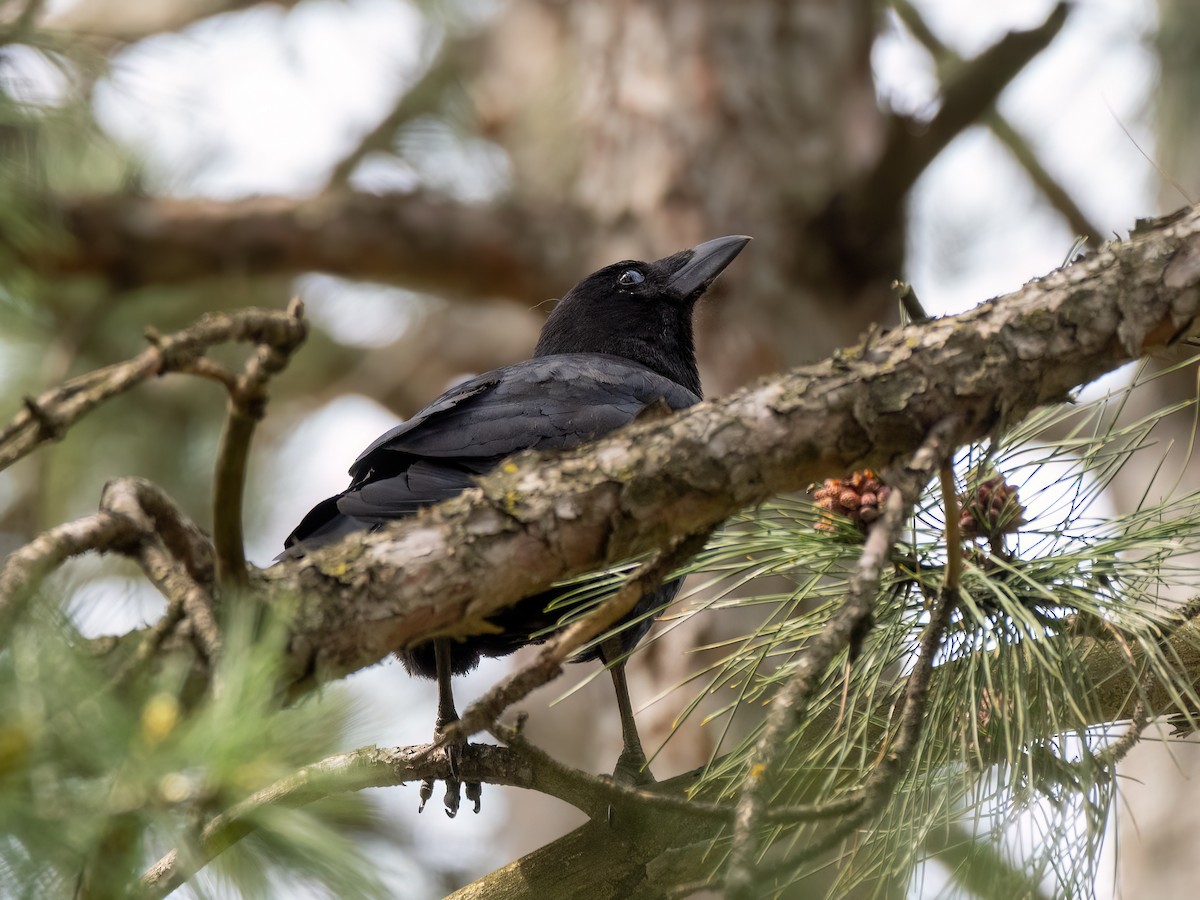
pixel 548 403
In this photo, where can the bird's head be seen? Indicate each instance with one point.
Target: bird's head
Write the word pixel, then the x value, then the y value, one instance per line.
pixel 641 310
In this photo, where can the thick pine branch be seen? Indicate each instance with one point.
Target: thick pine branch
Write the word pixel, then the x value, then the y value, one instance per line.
pixel 422 240
pixel 542 519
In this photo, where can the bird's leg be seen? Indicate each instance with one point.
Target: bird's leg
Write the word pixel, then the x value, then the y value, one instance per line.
pixel 632 767
pixel 448 715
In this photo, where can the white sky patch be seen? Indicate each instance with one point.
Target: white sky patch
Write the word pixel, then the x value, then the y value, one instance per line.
pixel 29 76
pixel 261 101
pixel 111 604
pixel 358 314
pixel 381 173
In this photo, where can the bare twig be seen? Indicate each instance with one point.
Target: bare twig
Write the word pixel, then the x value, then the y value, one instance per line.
pixel 247 404
pixel 27 566
pixel 966 97
pixel 182 538
pixel 138 520
pixel 142 503
pixel 47 416
pixel 954 539
pixel 790 704
pixel 547 664
pixel 946 59
pixel 910 303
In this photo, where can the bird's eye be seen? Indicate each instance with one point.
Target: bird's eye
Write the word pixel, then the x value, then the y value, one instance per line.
pixel 631 276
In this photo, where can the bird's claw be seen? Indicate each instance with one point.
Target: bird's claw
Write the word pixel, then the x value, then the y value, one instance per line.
pixel 453 797
pixel 454 785
pixel 474 792
pixel 426 793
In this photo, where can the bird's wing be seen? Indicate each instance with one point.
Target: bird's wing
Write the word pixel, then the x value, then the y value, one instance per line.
pixel 549 403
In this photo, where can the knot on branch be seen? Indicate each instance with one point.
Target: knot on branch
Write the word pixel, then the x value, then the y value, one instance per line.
pixel 49 428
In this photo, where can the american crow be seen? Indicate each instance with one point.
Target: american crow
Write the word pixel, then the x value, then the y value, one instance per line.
pixel 618 342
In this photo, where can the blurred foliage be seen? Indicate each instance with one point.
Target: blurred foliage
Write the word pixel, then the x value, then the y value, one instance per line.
pixel 97 779
pixel 51 142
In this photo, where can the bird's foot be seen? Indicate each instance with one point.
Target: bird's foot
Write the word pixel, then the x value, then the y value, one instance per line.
pixel 454 785
pixel 632 768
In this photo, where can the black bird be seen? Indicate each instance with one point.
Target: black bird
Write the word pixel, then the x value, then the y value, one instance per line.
pixel 617 343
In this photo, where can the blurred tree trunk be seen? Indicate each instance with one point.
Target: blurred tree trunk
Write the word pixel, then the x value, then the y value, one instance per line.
pixel 1160 814
pixel 672 123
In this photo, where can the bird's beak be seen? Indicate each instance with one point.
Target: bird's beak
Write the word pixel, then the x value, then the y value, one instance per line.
pixel 708 260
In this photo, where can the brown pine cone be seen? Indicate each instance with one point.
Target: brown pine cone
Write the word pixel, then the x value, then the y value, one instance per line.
pixel 858 498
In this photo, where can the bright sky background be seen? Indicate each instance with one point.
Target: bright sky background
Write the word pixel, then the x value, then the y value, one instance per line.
pixel 265 101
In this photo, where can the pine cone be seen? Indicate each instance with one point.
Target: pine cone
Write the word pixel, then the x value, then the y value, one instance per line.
pixel 858 498
pixel 993 511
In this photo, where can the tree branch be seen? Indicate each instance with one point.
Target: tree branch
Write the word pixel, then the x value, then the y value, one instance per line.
pixel 790 703
pixel 547 664
pixel 518 765
pixel 422 240
pixel 972 91
pixel 945 58
pixel 25 568
pixel 157 519
pixel 247 405
pixel 539 520
pixel 137 520
pixel 359 769
pixel 47 417
pixel 858 220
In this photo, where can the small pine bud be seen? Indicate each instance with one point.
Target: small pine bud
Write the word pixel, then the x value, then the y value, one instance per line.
pixel 991 511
